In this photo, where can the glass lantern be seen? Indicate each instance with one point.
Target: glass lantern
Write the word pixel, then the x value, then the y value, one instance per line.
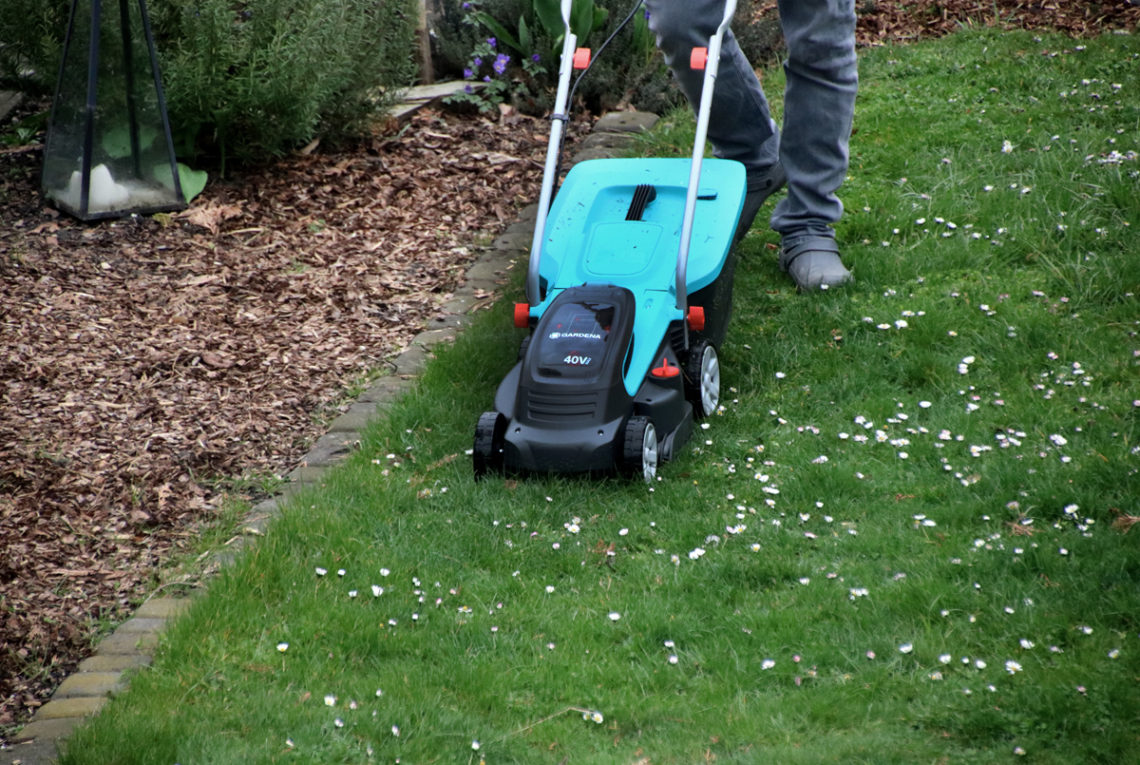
pixel 108 151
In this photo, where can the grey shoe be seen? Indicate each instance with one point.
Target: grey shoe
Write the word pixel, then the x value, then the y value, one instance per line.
pixel 760 187
pixel 813 263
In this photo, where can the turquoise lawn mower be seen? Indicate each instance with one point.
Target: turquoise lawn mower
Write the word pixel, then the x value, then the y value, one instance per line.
pixel 629 291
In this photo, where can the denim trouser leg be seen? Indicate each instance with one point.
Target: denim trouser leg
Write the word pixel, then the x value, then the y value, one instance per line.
pixel 740 126
pixel 819 103
pixel 819 100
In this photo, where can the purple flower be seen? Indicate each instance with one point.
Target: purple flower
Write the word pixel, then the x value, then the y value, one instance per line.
pixel 501 62
pixel 492 41
pixel 477 62
pixel 536 58
pixel 468 74
pixel 466 6
pixel 468 89
pixel 486 78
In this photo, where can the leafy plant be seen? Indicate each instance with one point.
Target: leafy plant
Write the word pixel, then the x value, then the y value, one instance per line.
pixel 254 79
pixel 522 44
pixel 23 131
pixel 492 83
pixel 631 71
pixel 528 78
pixel 586 17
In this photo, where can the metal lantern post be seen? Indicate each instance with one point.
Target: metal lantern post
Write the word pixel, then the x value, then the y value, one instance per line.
pixel 108 151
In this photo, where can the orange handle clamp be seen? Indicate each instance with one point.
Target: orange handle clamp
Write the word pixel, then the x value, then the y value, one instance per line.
pixel 696 318
pixel 698 58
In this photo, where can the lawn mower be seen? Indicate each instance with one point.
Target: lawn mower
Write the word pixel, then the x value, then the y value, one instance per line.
pixel 629 291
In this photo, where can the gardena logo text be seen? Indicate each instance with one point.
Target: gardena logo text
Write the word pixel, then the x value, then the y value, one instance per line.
pixel 574 336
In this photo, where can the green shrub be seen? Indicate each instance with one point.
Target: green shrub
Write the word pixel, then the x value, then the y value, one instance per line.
pixel 31 42
pixel 245 80
pixel 251 80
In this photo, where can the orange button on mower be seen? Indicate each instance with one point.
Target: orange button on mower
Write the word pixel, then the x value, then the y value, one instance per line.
pixel 666 369
pixel 581 58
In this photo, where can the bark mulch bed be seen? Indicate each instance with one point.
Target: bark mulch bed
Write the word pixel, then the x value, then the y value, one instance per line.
pixel 882 21
pixel 144 360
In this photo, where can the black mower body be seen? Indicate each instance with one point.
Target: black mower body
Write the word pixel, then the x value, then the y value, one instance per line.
pixel 566 401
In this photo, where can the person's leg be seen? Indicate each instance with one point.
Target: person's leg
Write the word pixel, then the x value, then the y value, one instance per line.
pixel 740 125
pixel 819 104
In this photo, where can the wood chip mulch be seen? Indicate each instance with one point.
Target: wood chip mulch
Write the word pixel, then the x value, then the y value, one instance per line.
pixel 887 21
pixel 881 21
pixel 144 360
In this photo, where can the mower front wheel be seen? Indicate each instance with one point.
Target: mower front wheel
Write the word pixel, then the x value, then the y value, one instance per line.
pixel 490 435
pixel 640 449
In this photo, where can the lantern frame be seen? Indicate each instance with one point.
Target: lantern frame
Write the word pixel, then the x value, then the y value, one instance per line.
pixel 109 152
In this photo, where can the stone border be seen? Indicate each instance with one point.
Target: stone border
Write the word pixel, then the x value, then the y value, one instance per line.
pixel 131 646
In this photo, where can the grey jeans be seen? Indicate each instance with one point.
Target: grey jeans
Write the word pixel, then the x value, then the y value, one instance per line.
pixel 819 101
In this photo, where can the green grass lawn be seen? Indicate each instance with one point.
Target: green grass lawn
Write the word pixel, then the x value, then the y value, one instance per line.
pixel 903 539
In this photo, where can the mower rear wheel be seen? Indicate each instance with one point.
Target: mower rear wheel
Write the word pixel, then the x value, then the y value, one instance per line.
pixel 490 435
pixel 702 378
pixel 640 450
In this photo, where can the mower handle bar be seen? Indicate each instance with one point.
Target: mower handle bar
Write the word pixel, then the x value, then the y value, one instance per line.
pixel 712 66
pixel 554 149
